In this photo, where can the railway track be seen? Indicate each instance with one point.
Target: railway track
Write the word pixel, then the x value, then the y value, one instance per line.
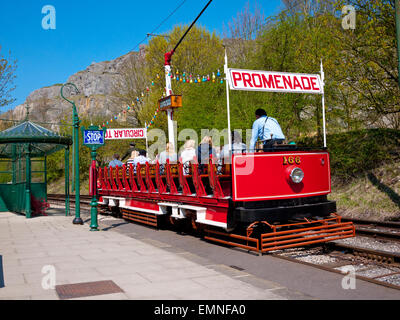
pixel 377 229
pixel 377 266
pixel 59 199
pixel 375 256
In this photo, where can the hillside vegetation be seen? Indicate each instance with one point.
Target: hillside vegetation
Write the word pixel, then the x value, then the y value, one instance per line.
pixel 365 167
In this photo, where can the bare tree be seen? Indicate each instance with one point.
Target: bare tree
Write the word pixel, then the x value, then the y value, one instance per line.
pixel 242 31
pixel 7 76
pixel 309 7
pixel 128 87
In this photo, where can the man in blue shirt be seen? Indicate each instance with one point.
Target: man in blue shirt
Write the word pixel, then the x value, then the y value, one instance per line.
pixel 116 162
pixel 266 129
pixel 141 158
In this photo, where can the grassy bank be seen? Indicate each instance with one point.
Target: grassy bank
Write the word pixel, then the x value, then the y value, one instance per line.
pixel 365 167
pixel 372 195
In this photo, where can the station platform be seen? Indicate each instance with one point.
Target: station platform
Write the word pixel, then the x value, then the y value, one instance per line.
pixel 143 270
pixel 126 261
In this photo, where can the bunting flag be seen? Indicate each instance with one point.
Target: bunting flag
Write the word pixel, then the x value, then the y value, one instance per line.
pixel 149 124
pixel 183 77
pixel 190 78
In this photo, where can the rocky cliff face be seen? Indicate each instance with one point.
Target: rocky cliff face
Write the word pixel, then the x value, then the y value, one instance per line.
pixel 96 85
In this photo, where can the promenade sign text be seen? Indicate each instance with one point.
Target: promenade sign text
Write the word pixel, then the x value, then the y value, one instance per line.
pixel 118 134
pixel 251 80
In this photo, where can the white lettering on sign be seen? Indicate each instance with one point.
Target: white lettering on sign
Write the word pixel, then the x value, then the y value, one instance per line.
pixel 93 137
pixel 250 80
pixel 166 103
pixel 114 134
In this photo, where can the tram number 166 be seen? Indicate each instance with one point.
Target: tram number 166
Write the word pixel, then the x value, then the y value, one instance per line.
pixel 291 160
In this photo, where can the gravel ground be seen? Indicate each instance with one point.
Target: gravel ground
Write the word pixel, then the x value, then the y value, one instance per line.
pixel 318 259
pixel 375 272
pixel 370 243
pixel 356 267
pixel 371 271
pixel 394 279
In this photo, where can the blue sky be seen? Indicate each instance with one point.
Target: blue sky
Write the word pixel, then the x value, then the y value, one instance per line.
pixel 94 30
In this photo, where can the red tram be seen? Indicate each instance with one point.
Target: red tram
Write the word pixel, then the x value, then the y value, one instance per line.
pixel 262 201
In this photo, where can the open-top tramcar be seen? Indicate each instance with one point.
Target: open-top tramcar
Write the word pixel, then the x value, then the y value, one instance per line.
pixel 261 201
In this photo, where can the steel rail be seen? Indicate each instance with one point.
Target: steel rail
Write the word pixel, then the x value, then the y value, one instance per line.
pixel 389 230
pixel 385 256
pixel 388 224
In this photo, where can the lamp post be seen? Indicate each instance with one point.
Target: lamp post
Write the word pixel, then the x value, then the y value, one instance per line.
pixel 75 138
pixel 93 138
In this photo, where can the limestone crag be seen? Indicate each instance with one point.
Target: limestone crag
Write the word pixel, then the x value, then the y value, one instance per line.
pixel 96 85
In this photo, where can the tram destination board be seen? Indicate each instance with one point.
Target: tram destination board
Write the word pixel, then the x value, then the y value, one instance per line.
pixel 173 101
pixel 93 137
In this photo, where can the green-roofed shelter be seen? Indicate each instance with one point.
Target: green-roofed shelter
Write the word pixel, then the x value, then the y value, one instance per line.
pixel 23 166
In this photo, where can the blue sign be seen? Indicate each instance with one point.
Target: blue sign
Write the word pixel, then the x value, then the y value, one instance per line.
pixel 91 137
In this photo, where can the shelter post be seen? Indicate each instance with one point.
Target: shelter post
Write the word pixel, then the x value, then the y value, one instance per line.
pixel 28 209
pixel 14 165
pixel 45 174
pixel 67 209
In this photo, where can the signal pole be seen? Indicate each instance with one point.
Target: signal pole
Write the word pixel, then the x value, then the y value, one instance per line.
pixel 168 91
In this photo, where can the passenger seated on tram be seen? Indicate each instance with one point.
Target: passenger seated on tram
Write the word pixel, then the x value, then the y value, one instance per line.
pixel 132 147
pixel 168 154
pixel 116 162
pixel 131 160
pixel 187 155
pixel 141 158
pixel 267 129
pixel 237 147
pixel 204 151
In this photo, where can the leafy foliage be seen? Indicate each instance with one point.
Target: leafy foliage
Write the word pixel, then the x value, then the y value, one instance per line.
pixel 354 153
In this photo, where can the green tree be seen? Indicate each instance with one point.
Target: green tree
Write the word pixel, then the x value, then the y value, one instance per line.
pixel 367 70
pixel 201 53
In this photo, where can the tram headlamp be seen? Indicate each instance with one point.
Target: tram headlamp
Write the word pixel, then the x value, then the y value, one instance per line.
pixel 297 175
